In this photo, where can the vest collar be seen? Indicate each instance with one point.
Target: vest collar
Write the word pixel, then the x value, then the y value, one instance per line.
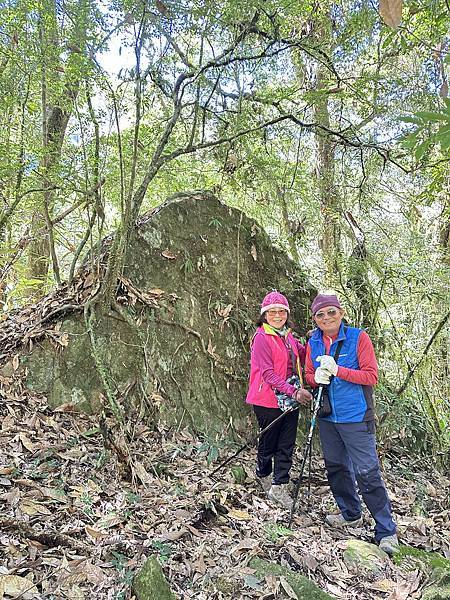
pixel 318 334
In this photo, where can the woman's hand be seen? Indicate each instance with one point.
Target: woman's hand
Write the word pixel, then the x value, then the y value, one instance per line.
pixel 303 397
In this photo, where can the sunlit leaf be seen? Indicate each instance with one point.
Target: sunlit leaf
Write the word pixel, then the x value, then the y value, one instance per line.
pixel 391 12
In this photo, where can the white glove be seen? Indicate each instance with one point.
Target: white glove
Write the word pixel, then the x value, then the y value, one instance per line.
pixel 322 376
pixel 327 362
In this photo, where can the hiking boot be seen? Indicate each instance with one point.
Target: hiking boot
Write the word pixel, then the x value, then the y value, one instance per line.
pixel 265 482
pixel 338 521
pixel 280 494
pixel 389 544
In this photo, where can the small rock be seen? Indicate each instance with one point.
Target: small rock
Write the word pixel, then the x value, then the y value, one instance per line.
pixel 150 583
pixel 362 555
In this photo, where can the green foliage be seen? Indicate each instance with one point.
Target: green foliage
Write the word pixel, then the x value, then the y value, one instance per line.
pixel 211 449
pixel 294 77
pixel 431 128
pixel 275 532
pixel 121 563
pixel 239 474
pixel 164 550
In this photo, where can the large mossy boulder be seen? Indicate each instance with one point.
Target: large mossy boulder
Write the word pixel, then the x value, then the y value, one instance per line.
pixel 195 274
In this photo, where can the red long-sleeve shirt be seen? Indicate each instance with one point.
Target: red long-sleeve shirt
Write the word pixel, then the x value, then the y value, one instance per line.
pixel 367 374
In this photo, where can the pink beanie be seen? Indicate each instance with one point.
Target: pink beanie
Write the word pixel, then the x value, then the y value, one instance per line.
pixel 322 300
pixel 274 300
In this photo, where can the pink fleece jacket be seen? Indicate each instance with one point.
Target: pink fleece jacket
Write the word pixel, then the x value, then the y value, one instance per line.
pixel 271 365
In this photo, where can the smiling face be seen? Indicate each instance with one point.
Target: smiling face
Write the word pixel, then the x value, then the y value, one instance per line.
pixel 276 317
pixel 329 319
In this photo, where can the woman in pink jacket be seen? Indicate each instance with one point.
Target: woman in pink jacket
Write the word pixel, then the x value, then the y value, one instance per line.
pixel 276 377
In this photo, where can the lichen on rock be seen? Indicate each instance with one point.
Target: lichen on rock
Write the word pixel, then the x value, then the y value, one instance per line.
pixel 360 555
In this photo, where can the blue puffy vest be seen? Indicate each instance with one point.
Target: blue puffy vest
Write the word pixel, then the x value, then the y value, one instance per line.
pixel 350 402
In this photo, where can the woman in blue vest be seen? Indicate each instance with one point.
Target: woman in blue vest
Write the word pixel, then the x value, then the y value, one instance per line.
pixel 342 359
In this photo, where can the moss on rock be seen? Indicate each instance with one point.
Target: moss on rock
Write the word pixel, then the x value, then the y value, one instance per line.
pixel 421 559
pixel 150 583
pixel 360 555
pixel 187 358
pixel 302 586
pixel 434 565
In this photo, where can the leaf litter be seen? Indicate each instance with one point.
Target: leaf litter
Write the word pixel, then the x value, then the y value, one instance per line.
pixel 75 524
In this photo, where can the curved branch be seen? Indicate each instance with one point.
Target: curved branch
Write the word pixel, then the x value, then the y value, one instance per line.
pixel 411 371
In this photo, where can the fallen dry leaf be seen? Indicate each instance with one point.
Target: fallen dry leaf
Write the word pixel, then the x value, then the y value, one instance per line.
pixel 239 515
pixel 13 585
pixel 30 507
pixel 95 534
pixel 383 585
pixel 27 443
pixel 403 589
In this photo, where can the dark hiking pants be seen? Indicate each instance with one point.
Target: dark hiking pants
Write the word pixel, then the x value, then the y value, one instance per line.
pixel 275 448
pixel 349 450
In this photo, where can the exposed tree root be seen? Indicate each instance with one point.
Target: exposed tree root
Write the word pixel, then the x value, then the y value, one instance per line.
pixel 49 538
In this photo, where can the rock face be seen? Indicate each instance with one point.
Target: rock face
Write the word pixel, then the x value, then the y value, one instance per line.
pixel 195 275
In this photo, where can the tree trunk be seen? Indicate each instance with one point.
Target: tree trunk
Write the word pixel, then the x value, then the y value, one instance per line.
pixel 328 193
pixel 57 108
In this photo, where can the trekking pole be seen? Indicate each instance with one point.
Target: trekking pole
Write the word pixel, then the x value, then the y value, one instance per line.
pixel 252 441
pixel 307 449
pixel 309 474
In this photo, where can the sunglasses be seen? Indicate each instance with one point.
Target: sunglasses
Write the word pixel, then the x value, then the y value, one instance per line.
pixel 280 312
pixel 331 312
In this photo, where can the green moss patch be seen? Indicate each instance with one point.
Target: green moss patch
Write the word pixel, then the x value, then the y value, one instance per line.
pixel 304 588
pixel 150 583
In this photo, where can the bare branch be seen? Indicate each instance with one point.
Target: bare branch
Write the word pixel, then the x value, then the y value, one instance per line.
pixel 414 367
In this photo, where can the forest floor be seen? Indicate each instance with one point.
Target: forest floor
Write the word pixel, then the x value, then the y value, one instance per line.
pixel 77 522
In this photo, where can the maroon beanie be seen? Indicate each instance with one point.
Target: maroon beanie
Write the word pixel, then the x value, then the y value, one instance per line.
pixel 322 300
pixel 274 300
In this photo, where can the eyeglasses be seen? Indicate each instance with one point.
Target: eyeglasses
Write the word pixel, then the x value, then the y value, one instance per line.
pixel 331 312
pixel 273 313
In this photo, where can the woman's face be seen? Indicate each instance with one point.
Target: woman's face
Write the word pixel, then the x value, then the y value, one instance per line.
pixel 276 317
pixel 329 319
